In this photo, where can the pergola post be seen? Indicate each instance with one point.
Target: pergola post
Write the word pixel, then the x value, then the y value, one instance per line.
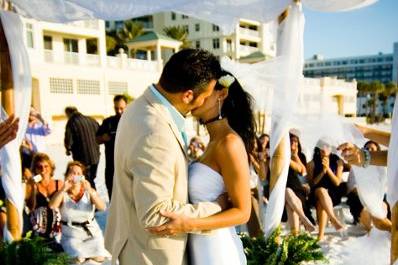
pixel 7 100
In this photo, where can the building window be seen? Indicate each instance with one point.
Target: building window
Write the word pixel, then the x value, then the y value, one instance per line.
pixel 117 88
pixel 119 24
pixel 88 87
pixel 92 46
pixel 186 28
pixel 216 43
pixel 216 28
pixel 197 44
pixel 185 17
pixel 197 27
pixel 61 86
pixel 70 45
pixel 107 24
pixel 173 16
pixel 48 42
pixel 29 35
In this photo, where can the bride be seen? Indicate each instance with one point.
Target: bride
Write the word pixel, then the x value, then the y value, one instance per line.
pixel 224 167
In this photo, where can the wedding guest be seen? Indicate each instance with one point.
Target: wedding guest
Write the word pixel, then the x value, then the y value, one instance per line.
pixel 80 141
pixel 359 212
pixel 34 140
pixel 82 237
pixel 296 191
pixel 39 190
pixel 258 173
pixel 325 172
pixel 106 135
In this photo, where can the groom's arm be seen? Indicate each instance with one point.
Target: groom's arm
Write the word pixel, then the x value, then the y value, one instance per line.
pixel 154 171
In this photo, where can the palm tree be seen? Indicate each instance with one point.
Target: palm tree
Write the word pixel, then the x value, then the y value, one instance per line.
pixel 390 90
pixel 178 33
pixel 130 31
pixel 111 43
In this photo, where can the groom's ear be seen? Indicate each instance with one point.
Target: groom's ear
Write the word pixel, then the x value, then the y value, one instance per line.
pixel 188 96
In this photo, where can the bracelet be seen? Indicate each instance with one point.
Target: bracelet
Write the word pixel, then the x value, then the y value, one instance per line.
pixel 366 157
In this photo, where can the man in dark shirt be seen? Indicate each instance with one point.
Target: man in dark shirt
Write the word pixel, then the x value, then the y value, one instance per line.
pixel 106 135
pixel 80 141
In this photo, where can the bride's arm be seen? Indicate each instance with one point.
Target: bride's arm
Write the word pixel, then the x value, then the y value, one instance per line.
pixel 233 162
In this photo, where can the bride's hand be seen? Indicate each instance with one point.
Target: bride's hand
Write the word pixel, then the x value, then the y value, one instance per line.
pixel 177 224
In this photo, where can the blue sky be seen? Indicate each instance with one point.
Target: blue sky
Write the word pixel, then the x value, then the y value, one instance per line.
pixel 361 32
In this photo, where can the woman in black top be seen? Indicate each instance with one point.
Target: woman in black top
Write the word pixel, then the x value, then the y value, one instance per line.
pixel 39 190
pixel 325 172
pixel 296 192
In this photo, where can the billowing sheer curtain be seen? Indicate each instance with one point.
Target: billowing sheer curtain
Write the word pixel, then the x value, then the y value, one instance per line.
pixel 9 155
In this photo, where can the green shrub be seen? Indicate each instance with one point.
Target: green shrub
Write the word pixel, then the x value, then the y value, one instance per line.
pixel 279 250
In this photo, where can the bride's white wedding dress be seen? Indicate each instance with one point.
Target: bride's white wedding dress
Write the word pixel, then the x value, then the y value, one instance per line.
pixel 223 246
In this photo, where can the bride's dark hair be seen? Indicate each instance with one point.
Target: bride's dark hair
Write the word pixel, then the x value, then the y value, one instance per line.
pixel 238 109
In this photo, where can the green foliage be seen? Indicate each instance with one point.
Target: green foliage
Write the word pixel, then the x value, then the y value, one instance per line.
pixel 129 97
pixel 377 92
pixel 278 250
pixel 130 31
pixel 32 251
pixel 178 33
pixel 111 43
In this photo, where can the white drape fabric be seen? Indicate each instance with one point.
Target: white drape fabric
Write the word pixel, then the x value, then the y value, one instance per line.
pixel 337 5
pixel 290 47
pixel 9 154
pixel 392 161
pixel 224 13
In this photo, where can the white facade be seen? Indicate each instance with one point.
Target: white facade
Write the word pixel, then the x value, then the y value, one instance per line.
pixel 64 74
pixel 249 36
pixel 329 95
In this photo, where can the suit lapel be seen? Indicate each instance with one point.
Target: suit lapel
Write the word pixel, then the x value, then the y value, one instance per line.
pixel 164 112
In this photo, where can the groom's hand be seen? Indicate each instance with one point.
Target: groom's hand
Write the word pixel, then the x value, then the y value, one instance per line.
pixel 177 224
pixel 224 201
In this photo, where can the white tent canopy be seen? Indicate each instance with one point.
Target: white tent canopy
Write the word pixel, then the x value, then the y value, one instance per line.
pixel 224 13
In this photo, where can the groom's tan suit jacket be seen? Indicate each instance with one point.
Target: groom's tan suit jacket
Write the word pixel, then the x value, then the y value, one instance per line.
pixel 151 174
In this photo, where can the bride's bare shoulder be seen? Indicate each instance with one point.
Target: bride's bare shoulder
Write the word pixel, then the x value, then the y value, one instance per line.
pixel 231 143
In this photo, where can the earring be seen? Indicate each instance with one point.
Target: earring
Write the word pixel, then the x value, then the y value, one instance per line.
pixel 219 109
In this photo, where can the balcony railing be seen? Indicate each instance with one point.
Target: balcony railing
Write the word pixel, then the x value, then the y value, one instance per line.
pixel 137 64
pixel 93 59
pixel 249 32
pixel 48 56
pixel 246 50
pixel 71 57
pixel 133 64
pixel 89 24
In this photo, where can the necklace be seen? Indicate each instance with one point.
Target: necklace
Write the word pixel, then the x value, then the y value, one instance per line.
pixel 217 118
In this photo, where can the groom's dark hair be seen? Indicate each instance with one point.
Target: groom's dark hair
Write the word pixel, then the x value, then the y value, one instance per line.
pixel 189 69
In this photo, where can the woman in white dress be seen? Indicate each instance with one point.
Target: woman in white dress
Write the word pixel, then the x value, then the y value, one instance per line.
pixel 224 167
pixel 81 235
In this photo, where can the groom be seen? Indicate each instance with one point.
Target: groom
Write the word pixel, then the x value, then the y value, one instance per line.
pixel 151 165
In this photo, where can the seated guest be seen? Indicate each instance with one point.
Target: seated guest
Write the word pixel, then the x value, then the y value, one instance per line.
pixel 359 212
pixel 39 190
pixel 258 173
pixel 81 235
pixel 296 191
pixel 324 173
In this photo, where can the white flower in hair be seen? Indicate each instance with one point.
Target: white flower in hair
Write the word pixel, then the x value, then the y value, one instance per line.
pixel 226 80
